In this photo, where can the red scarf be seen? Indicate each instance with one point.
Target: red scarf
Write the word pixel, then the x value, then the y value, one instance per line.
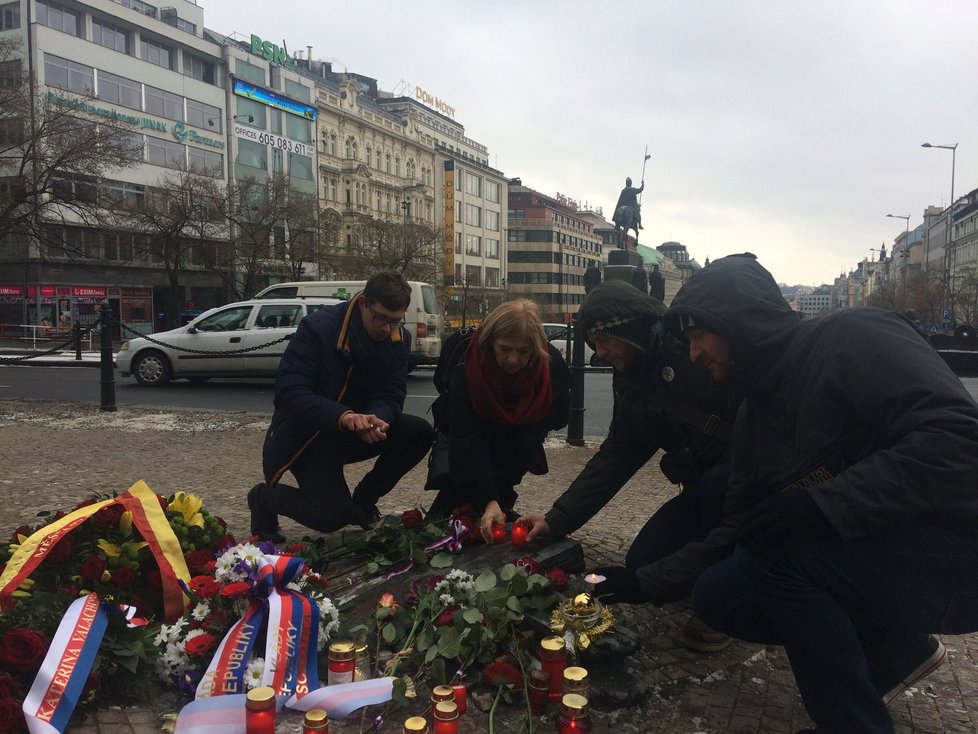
pixel 518 399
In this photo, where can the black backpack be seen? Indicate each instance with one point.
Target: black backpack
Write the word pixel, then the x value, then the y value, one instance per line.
pixel 452 355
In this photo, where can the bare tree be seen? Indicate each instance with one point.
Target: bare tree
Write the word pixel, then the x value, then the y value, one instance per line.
pixel 409 247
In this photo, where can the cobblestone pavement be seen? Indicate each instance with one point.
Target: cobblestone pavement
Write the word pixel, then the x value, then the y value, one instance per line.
pixel 55 454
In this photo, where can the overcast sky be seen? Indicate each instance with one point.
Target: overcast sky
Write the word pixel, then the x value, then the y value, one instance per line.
pixel 789 129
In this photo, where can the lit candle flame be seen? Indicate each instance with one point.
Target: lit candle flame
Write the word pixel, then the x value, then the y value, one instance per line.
pixel 594 578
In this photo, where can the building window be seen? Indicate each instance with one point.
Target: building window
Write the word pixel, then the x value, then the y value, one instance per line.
pixel 198 68
pixel 473 245
pixel 473 215
pixel 368 156
pixel 11 132
pixel 121 192
pixel 397 166
pixel 473 275
pixel 58 17
pixel 165 104
pixel 206 161
pixel 492 248
pixel 11 73
pixel 300 166
pixel 459 173
pixel 139 6
pixel 473 184
pixel 458 211
pixel 458 243
pixel 68 75
pixel 166 153
pixel 492 277
pixel 249 72
pixel 205 116
pixel 156 53
pixel 118 89
pixel 388 162
pixel 492 191
pixel 109 35
pixel 9 16
pixel 252 154
pixel 492 220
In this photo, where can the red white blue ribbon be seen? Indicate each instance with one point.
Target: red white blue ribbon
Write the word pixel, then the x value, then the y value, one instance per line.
pixel 59 683
pixel 451 542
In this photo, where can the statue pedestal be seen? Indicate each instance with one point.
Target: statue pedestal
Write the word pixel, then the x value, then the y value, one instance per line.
pixel 624 257
pixel 625 265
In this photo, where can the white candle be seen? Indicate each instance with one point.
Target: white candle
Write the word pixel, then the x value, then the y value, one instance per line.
pixel 593 579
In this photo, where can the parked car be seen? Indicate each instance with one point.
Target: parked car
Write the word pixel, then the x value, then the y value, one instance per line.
pixel 245 339
pixel 557 335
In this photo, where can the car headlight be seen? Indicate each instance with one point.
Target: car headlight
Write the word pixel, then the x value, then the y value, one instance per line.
pixel 123 346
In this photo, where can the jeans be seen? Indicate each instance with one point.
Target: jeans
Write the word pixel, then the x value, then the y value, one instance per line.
pixel 322 500
pixel 852 616
pixel 686 518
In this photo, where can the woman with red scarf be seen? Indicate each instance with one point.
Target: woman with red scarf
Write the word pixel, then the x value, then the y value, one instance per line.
pixel 512 389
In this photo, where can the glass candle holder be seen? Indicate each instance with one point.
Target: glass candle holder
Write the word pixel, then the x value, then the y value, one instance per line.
pixel 415 725
pixel 260 711
pixel 361 668
pixel 498 533
pixel 316 721
pixel 445 715
pixel 341 664
pixel 553 659
pixel 573 717
pixel 519 533
pixel 576 680
pixel 442 693
pixel 461 696
pixel 539 692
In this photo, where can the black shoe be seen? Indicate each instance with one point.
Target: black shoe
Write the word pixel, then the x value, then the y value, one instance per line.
pixel 929 660
pixel 264 522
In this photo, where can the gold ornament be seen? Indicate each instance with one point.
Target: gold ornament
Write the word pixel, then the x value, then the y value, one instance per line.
pixel 581 619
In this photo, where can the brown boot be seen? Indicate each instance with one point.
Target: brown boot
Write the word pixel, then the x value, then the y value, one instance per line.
pixel 697 636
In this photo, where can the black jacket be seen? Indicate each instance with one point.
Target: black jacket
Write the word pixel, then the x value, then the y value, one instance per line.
pixel 640 426
pixel 331 366
pixel 854 406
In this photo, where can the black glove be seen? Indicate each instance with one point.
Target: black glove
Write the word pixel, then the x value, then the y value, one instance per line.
pixel 620 586
pixel 786 519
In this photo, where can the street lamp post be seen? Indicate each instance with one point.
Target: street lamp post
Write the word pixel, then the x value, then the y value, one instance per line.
pixel 905 251
pixel 949 238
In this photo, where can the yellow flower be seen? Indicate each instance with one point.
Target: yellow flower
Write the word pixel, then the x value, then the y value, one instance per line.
pixel 125 523
pixel 109 549
pixel 189 506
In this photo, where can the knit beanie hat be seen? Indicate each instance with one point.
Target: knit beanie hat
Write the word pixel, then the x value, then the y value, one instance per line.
pixel 632 330
pixel 617 310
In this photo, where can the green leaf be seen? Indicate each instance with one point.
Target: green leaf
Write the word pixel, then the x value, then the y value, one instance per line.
pixel 399 692
pixel 508 571
pixel 442 560
pixel 486 581
pixel 514 604
pixel 425 639
pixel 472 615
pixel 372 567
pixel 439 676
pixel 388 633
pixel 449 644
pixel 519 584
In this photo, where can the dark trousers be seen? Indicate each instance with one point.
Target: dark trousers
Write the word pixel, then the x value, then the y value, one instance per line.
pixel 686 518
pixel 853 617
pixel 322 500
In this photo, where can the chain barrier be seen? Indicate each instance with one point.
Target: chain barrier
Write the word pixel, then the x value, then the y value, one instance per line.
pixel 243 350
pixel 46 352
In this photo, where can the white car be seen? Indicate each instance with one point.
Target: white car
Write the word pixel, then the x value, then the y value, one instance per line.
pixel 557 335
pixel 245 339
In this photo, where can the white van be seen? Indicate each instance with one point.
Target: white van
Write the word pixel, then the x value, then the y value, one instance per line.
pixel 423 318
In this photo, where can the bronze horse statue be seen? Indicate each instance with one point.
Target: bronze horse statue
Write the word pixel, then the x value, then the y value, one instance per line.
pixel 625 218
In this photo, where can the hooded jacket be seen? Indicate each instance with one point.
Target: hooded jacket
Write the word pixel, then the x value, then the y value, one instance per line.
pixel 640 426
pixel 332 366
pixel 854 406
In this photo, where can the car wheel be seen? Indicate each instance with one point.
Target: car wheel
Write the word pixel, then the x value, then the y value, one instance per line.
pixel 152 369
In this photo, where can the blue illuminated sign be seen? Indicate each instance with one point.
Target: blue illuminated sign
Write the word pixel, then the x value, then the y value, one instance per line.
pixel 273 99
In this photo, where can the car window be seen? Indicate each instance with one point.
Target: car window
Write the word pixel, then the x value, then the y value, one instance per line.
pixel 278 316
pixel 560 333
pixel 230 319
pixel 283 292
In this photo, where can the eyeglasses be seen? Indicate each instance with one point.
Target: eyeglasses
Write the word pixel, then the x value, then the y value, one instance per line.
pixel 384 320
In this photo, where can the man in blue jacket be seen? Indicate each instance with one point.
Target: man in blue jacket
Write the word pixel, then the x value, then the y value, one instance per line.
pixel 339 396
pixel 853 500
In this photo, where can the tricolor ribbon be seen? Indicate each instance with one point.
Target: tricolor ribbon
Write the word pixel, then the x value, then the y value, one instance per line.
pixel 149 520
pixel 451 542
pixel 291 620
pixel 59 683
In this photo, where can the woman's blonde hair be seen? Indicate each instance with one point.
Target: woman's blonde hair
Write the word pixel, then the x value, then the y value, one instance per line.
pixel 515 319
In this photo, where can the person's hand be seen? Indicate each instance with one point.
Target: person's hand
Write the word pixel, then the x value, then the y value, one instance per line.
pixel 538 525
pixel 368 427
pixel 620 586
pixel 786 519
pixel 492 514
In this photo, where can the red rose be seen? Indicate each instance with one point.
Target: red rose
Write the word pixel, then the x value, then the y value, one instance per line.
pixel 11 716
pixel 8 686
pixel 210 566
pixel 92 568
pixel 200 645
pixel 63 550
pixel 22 649
pixel 238 588
pixel 446 618
pixel 108 516
pixel 123 577
pixel 196 560
pixel 205 586
pixel 559 578
pixel 412 519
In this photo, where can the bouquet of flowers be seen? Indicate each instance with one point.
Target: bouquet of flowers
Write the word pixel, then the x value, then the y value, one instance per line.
pixel 105 554
pixel 220 597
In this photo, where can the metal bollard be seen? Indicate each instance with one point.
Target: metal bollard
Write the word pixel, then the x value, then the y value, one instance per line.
pixel 575 425
pixel 76 329
pixel 105 354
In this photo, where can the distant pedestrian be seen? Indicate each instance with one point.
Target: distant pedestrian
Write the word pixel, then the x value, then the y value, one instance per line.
pixel 854 493
pixel 339 396
pixel 511 390
pixel 661 403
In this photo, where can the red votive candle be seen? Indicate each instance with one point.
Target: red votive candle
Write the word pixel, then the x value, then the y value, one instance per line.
pixel 520 531
pixel 445 714
pixel 498 532
pixel 461 696
pixel 553 659
pixel 573 717
pixel 341 664
pixel 539 692
pixel 260 711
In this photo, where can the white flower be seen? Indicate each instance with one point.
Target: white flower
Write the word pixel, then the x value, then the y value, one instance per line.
pixel 253 673
pixel 447 600
pixel 201 611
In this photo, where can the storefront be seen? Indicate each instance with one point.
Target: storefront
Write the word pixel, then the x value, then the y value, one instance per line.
pixel 62 306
